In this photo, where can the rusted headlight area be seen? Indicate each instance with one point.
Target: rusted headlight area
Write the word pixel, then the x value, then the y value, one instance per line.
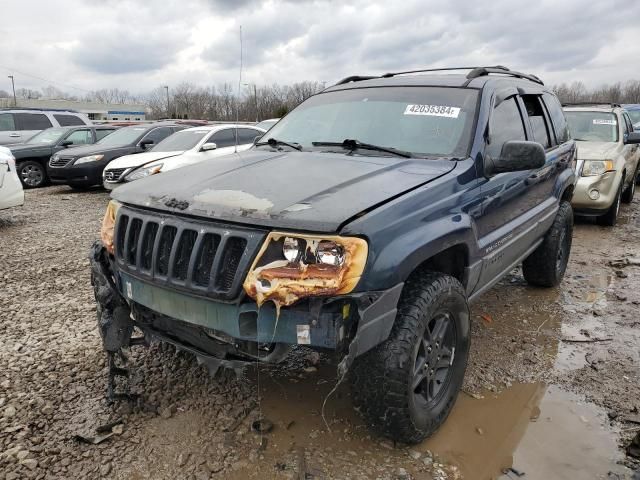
pixel 290 267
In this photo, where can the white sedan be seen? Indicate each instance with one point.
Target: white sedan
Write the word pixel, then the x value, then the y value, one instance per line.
pixel 11 193
pixel 188 146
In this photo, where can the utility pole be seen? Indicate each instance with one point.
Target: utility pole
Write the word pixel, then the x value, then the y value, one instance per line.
pixel 13 86
pixel 166 87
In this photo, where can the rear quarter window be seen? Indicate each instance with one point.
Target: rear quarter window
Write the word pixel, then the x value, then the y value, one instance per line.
pixel 68 120
pixel 558 119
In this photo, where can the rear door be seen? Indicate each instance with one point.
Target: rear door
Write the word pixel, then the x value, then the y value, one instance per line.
pixel 225 141
pixel 246 136
pixel 29 124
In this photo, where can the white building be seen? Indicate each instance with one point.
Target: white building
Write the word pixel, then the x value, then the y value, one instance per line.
pixel 94 110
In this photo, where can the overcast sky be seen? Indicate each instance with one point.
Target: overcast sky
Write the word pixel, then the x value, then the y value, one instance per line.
pixel 139 45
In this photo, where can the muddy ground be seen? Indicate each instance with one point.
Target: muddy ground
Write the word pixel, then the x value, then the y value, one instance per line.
pixel 552 390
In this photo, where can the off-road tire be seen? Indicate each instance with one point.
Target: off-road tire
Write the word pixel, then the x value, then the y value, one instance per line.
pixel 546 265
pixel 610 218
pixel 36 173
pixel 627 195
pixel 381 379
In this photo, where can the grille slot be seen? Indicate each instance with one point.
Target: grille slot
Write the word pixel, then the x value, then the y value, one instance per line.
pixel 132 240
pixel 122 231
pixel 233 251
pixel 167 236
pixel 148 240
pixel 204 259
pixel 198 257
pixel 183 254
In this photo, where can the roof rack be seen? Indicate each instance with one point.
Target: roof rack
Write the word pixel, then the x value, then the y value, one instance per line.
pixel 474 73
pixel 41 109
pixel 591 104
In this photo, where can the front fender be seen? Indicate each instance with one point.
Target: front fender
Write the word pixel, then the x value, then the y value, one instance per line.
pixel 392 262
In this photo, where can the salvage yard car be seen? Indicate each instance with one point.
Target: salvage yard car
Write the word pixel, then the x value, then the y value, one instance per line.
pixel 608 159
pixel 82 167
pixel 185 147
pixel 11 193
pixel 364 222
pixel 32 156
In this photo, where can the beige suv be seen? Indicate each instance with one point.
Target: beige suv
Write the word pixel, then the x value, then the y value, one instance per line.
pixel 608 156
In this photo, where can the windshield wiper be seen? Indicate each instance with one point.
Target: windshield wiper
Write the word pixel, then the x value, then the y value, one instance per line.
pixel 272 142
pixel 351 144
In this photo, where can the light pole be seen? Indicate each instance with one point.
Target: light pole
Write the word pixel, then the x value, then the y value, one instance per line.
pixel 13 86
pixel 255 97
pixel 166 87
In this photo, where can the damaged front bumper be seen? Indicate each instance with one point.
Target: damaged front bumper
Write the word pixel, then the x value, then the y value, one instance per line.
pixel 236 332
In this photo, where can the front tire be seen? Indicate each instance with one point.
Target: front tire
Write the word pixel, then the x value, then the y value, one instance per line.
pixel 406 386
pixel 627 196
pixel 546 265
pixel 610 218
pixel 32 174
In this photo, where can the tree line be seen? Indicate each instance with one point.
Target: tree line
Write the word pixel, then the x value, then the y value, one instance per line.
pixel 259 102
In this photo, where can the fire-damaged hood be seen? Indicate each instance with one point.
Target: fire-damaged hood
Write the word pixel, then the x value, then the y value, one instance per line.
pixel 313 191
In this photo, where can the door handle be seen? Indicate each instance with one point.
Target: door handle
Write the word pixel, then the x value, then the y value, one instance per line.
pixel 14 135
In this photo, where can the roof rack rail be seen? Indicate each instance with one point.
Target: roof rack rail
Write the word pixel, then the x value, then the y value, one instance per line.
pixel 392 74
pixel 482 71
pixel 591 104
pixel 43 109
pixel 355 78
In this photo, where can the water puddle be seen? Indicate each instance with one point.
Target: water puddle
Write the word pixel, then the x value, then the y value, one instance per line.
pixel 540 430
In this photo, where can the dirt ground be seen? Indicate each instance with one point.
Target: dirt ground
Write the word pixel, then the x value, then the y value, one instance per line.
pixel 552 388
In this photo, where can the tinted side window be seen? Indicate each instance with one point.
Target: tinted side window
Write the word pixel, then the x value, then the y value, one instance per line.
pixel 158 134
pixel 557 117
pixel 7 124
pixel 32 121
pixel 68 120
pixel 100 134
pixel 506 124
pixel 247 135
pixel 535 113
pixel 224 138
pixel 80 137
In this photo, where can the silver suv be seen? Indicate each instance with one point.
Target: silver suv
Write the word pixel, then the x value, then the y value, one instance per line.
pixel 20 124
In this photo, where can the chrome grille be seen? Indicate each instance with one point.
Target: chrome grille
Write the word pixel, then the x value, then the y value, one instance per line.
pixel 113 174
pixel 199 257
pixel 59 162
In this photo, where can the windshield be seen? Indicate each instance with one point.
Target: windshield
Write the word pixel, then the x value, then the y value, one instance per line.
pixel 634 115
pixel 180 141
pixel 50 135
pixel 123 136
pixel 593 126
pixel 426 121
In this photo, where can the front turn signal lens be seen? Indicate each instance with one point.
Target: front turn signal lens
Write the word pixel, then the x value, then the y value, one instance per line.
pixel 108 226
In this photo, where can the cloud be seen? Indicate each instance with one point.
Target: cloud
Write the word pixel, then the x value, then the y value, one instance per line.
pixel 140 45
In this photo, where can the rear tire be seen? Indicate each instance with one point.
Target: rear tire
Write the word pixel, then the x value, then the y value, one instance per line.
pixel 610 218
pixel 406 386
pixel 546 265
pixel 32 174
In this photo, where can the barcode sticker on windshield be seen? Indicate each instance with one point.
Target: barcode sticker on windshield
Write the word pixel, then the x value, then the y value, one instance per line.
pixel 433 110
pixel 603 121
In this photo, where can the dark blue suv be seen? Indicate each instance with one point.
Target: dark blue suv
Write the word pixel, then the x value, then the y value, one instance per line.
pixel 364 222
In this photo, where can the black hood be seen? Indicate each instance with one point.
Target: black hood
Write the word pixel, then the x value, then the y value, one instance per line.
pixel 22 150
pixel 297 190
pixel 93 150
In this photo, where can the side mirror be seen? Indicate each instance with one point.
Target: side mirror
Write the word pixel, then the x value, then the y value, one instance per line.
pixel 632 138
pixel 208 146
pixel 66 143
pixel 144 144
pixel 517 155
